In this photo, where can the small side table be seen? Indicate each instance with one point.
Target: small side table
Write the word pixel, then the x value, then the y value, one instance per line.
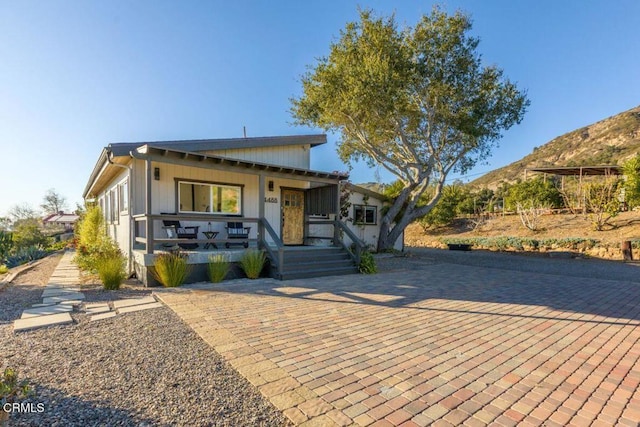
pixel 210 235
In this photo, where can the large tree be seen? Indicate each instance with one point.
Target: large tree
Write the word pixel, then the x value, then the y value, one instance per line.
pixel 53 202
pixel 418 102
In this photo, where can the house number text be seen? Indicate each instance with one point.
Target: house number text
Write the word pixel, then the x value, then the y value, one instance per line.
pixel 271 200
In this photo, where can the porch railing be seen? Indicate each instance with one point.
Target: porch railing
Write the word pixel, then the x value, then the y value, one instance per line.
pixel 277 256
pixel 149 239
pixel 341 228
pixel 274 249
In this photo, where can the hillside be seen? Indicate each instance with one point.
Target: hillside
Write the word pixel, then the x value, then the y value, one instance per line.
pixel 625 226
pixel 608 142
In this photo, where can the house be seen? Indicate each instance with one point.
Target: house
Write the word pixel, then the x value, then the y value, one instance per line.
pixel 365 206
pixel 62 220
pixel 264 183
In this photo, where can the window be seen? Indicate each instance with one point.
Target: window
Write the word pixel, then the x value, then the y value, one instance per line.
pixel 123 193
pixel 209 198
pixel 102 207
pixel 113 206
pixel 363 214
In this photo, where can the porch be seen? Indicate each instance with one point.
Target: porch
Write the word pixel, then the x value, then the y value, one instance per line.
pixel 332 251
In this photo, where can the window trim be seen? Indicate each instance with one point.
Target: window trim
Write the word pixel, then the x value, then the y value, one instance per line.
pixel 179 181
pixel 114 209
pixel 364 215
pixel 123 197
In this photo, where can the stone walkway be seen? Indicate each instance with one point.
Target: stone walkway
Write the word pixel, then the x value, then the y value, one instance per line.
pixel 63 293
pixel 439 344
pixel 59 297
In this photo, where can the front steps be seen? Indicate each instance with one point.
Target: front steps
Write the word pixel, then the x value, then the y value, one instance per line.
pixel 308 262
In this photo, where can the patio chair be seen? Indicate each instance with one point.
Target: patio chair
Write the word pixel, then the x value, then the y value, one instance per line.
pixel 236 230
pixel 176 231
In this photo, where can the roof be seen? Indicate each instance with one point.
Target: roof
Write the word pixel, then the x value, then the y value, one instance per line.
pixel 196 145
pixel 63 218
pixel 123 150
pixel 358 189
pixel 166 153
pixel 580 170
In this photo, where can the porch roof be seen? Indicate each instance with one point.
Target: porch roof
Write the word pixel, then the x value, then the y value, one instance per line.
pixel 176 156
pixel 115 156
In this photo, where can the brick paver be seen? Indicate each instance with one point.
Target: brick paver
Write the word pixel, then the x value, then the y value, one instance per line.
pixel 443 344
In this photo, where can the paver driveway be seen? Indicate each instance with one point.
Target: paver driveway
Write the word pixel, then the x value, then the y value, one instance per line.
pixel 436 343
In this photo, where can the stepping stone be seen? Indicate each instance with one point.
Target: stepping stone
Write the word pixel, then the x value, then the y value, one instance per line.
pixel 54 292
pixel 45 311
pixel 97 308
pixel 133 301
pixel 41 321
pixel 43 305
pixel 71 302
pixel 103 316
pixel 133 308
pixel 63 298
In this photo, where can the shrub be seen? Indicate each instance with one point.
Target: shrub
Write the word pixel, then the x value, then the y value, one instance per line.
pixel 252 262
pixel 27 233
pixel 218 267
pixel 3 269
pixel 111 271
pixel 6 243
pixel 90 228
pixel 532 194
pixel 93 243
pixel 171 269
pixel 367 263
pixel 11 389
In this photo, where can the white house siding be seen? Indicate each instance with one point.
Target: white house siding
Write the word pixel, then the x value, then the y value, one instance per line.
pixel 369 232
pixel 296 156
pixel 118 229
pixel 164 194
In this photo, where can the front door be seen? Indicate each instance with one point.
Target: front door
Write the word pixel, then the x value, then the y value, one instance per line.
pixel 292 217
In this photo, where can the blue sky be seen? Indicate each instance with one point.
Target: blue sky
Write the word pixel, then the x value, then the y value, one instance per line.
pixel 78 75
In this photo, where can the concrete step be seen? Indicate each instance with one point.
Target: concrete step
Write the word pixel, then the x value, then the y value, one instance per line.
pixel 317 264
pixel 307 273
pixel 324 256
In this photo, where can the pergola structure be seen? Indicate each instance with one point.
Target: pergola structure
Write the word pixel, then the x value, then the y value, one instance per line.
pixel 579 171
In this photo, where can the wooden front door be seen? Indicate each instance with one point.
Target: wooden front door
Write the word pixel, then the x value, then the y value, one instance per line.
pixel 292 217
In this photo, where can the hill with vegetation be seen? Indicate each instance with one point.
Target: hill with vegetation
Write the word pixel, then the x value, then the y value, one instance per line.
pixel 568 232
pixel 608 142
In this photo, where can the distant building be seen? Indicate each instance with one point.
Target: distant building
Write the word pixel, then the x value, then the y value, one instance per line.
pixel 61 220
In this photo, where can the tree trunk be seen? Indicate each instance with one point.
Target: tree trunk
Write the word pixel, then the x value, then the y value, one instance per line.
pixel 388 237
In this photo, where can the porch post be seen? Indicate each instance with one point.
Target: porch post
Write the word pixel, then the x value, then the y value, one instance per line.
pixel 147 207
pixel 261 236
pixel 336 231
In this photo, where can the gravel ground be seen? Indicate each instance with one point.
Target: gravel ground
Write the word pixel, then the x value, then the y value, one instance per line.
pixel 144 368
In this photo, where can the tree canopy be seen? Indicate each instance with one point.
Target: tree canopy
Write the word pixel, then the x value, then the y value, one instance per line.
pixel 53 202
pixel 417 101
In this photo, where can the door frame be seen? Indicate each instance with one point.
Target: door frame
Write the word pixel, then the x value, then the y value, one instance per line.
pixel 303 192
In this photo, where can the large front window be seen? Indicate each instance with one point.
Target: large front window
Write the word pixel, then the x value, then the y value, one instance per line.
pixel 209 198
